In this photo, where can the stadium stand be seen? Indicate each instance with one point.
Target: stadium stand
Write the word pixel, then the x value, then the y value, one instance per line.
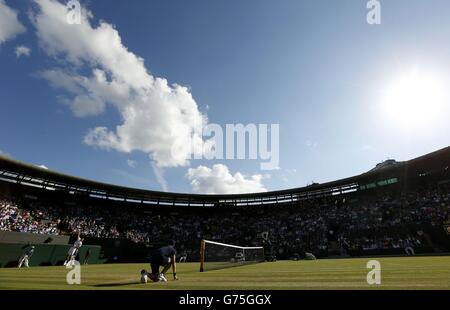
pixel 387 211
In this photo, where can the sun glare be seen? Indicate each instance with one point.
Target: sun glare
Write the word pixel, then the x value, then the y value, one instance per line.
pixel 416 100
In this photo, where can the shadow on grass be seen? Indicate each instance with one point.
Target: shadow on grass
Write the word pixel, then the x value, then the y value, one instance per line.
pixel 116 284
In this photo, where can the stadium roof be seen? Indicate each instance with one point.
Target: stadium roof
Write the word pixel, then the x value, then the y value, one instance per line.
pixel 26 174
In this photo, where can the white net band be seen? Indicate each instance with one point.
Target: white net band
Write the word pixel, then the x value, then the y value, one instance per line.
pixel 234 246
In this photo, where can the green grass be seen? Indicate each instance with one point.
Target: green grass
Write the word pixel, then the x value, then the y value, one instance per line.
pixel 396 273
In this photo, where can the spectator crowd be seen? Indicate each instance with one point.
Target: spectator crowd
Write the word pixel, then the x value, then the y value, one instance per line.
pixel 342 224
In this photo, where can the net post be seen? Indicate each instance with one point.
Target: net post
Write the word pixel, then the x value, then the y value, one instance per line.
pixel 202 254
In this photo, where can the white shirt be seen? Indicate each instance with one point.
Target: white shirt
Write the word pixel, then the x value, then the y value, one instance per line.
pixel 78 244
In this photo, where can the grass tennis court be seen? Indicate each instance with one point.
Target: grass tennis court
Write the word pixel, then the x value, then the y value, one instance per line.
pixel 396 273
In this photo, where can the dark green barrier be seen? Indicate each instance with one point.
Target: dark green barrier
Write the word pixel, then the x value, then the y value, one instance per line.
pixel 45 254
pixel 31 238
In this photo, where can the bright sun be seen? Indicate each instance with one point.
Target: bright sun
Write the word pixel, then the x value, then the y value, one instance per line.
pixel 415 100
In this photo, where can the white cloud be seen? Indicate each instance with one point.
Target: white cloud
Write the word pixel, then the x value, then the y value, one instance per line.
pixel 155 115
pixel 4 154
pixel 159 174
pixel 87 105
pixel 42 167
pixel 219 180
pixel 131 163
pixel 10 26
pixel 311 144
pixel 22 51
pixel 63 80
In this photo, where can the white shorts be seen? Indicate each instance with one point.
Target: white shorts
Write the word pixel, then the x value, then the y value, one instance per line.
pixel 72 251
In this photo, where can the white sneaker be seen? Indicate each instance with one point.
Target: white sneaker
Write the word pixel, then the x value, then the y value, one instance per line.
pixel 162 278
pixel 144 276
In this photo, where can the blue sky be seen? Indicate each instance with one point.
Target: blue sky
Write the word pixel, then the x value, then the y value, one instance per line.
pixel 317 68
